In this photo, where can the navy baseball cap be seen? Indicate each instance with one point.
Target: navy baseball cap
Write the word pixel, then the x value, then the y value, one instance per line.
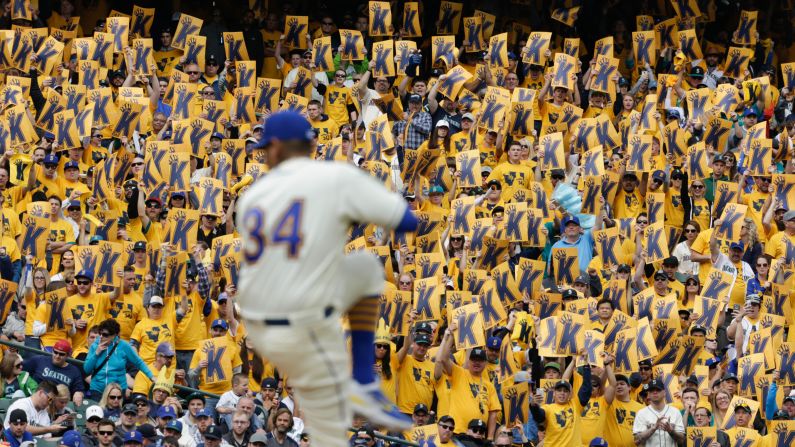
pixel 174 424
pixel 204 412
pixel 656 384
pixel 71 165
pixel 213 432
pixel 598 442
pixel 494 343
pixel 218 135
pixel 85 273
pixel 133 436
pixel 269 383
pixel 285 126
pixel 51 159
pixel 166 412
pixel 219 322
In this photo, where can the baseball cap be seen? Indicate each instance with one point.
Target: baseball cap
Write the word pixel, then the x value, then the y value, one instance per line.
pixel 671 260
pixel 698 327
pixel 51 159
pixel 284 126
pixel 658 175
pixel 742 406
pixel 62 346
pixel 174 424
pixel 139 246
pixel 750 111
pixel 204 413
pixel 139 397
pixel 677 174
pixel 116 74
pixel 494 343
pixel 553 365
pixel 443 123
pixel 570 219
pixel 218 135
pixel 789 215
pixel 269 383
pixel 697 72
pixel 423 326
pixel 511 56
pixel 557 173
pixel 494 182
pixel 485 170
pixel 570 294
pixel 219 322
pixel 178 194
pixel 85 273
pixel 622 378
pixel 71 439
pixel 422 339
pixel 155 299
pixel 415 98
pixel 94 411
pixel 129 408
pixel 166 412
pixel 71 165
pixel 18 416
pixel 133 436
pixel 737 246
pixel 148 431
pixel 656 384
pixel 258 438
pixel 730 376
pixel 477 354
pixel 790 399
pixel 476 423
pixel 562 384
pixel 753 299
pixel 583 279
pixel 624 268
pixel 435 189
pixel 712 361
pixel 660 274
pixel 420 408
pixel 213 432
pixel 468 116
pixel 598 442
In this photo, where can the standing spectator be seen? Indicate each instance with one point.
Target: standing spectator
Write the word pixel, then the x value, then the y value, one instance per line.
pixel 416 128
pixel 154 329
pixel 213 29
pixel 127 420
pixel 253 38
pixel 416 378
pixel 109 357
pixel 16 381
pixel 164 357
pixel 17 432
pixel 55 369
pixel 563 416
pixel 35 407
pixel 658 424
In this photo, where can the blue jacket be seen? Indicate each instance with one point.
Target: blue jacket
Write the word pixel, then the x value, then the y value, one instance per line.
pixel 115 369
pixel 14 442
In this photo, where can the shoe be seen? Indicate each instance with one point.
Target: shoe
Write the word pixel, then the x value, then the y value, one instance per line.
pixel 370 402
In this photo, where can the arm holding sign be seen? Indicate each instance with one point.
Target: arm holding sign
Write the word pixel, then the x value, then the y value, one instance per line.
pixel 610 390
pixel 443 361
pixel 714 249
pixel 770 404
pixel 401 354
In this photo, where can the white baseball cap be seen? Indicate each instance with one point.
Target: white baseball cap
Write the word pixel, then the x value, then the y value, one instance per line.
pixel 443 123
pixel 94 410
pixel 155 300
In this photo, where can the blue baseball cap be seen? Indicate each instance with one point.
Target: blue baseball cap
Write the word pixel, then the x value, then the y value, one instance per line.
pixel 166 412
pixel 218 135
pixel 598 442
pixel 72 439
pixel 737 246
pixel 174 424
pixel 51 159
pixel 570 219
pixel 85 273
pixel 71 165
pixel 204 412
pixel 494 343
pixel 219 322
pixel 49 135
pixel 284 126
pixel 133 436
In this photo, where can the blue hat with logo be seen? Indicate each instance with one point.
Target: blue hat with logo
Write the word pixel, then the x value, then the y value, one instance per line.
pixel 133 436
pixel 218 135
pixel 85 273
pixel 285 126
pixel 569 219
pixel 166 412
pixel 72 439
pixel 219 322
pixel 737 246
pixel 71 165
pixel 174 424
pixel 598 442
pixel 494 343
pixel 51 159
pixel 204 412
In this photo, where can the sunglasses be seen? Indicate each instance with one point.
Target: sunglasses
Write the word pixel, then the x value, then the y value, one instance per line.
pixel 691 283
pixel 447 427
pixel 18 365
pixel 154 205
pixel 138 163
pixel 142 404
pixel 762 265
pixel 697 186
pixel 339 75
pixel 105 433
pixel 83 282
pixel 642 222
pixel 116 397
pixel 59 353
pixel 691 230
pixel 482 431
pixel 50 166
pixel 192 72
pixel 380 346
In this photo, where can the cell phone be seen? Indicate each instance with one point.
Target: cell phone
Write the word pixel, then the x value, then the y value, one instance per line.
pixel 517 435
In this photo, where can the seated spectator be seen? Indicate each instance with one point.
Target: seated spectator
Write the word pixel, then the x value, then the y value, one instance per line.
pixel 212 436
pixel 35 407
pixel 238 435
pixel 111 402
pixel 55 368
pixel 16 382
pixel 17 432
pixel 109 357
pixel 71 439
pixel 280 425
pixel 228 401
pixel 174 429
pixel 144 406
pixel 90 436
pixel 60 414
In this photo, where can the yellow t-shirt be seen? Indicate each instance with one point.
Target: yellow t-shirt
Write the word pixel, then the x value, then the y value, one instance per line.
pixel 192 328
pixel 755 201
pixel 11 225
pixel 337 101
pixel 50 312
pixel 326 129
pixel 389 386
pixel 563 423
pixel 508 174
pixel 781 245
pixel 415 383
pixel 620 419
pixel 701 212
pixel 594 417
pixel 128 310
pixel 628 204
pixel 91 308
pixel 60 231
pixel 142 383
pixel 231 355
pixel 674 211
pixel 150 333
pixel 471 397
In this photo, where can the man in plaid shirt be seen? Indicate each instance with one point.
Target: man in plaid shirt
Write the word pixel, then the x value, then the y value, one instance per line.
pixel 416 128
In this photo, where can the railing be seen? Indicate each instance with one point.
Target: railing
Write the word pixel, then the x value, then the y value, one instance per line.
pixel 79 363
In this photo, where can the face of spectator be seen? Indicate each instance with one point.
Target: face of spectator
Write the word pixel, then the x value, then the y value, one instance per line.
pixel 789 406
pixel 420 351
pixel 742 417
pixel 240 424
pixel 645 372
pixel 702 417
pixel 382 86
pixel 115 398
pixel 155 311
pixel 192 70
pixel 361 24
pixel 128 419
pixel 18 428
pixel 420 87
pixel 165 38
pixel 241 388
pixel 143 408
pixel 204 422
pixel 718 168
pixel 314 111
pixel 559 94
pixel 247 405
pixel 477 432
pixel 605 311
pixel 283 423
pixel 194 406
pixel 628 102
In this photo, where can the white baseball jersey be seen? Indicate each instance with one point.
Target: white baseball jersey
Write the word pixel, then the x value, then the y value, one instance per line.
pixel 294 224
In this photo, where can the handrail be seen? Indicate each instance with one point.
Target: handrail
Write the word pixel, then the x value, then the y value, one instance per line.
pixel 79 363
pixel 390 438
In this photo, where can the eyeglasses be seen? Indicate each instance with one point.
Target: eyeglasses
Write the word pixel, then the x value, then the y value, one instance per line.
pixel 697 186
pixel 380 346
pixel 405 283
pixel 59 353
pixel 83 282
pixel 138 163
pixel 154 205
pixel 116 397
pixel 97 136
pixel 50 166
pixel 106 433
pixel 691 283
pixel 482 431
pixel 192 72
pixel 142 404
pixel 642 222
pixel 447 427
pixel 38 277
pixel 691 230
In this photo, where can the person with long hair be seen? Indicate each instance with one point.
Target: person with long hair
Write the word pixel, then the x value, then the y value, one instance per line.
pixel 749 235
pixel 720 406
pixel 692 288
pixel 111 401
pixel 34 286
pixel 15 381
pixel 67 265
pixel 440 138
pixel 760 284
pixel 108 358
pixel 682 249
pixel 253 365
pixel 385 358
pixel 59 413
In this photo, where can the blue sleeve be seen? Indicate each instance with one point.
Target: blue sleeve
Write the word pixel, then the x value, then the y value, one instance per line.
pixel 584 393
pixel 408 222
pixel 16 266
pixel 207 308
pixel 91 358
pixel 770 403
pixel 136 360
pixel 78 384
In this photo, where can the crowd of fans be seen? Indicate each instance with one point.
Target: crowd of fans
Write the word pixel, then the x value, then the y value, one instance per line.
pixel 607 234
